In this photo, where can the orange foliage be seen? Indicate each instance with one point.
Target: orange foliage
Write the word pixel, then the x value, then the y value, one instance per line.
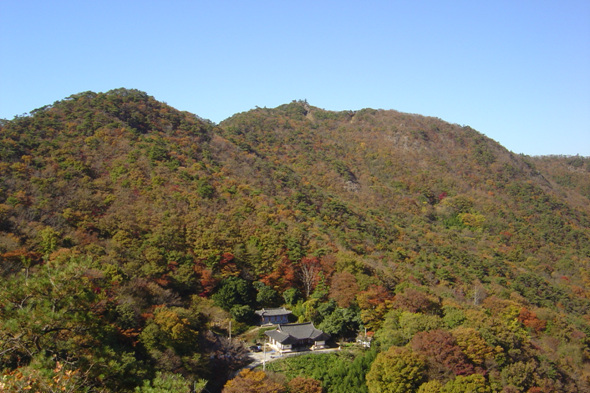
pixel 227 265
pixel 415 301
pixel 530 320
pixel 305 385
pixel 344 289
pixel 282 278
pixel 20 254
pixel 208 282
pixel 248 381
pixel 328 264
pixel 373 296
pixel 374 303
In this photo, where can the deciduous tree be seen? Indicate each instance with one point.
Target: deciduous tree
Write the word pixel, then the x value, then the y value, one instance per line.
pixel 398 370
pixel 248 381
pixel 474 383
pixel 413 300
pixel 282 277
pixel 343 289
pixel 374 303
pixel 304 385
pixel 442 352
pixel 309 269
pixel 473 345
pixel 530 320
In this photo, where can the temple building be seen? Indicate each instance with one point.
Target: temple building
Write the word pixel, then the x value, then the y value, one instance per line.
pixel 297 337
pixel 273 316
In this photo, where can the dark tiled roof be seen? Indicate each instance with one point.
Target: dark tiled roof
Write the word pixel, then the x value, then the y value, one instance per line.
pixel 302 330
pixel 281 337
pixel 292 332
pixel 272 312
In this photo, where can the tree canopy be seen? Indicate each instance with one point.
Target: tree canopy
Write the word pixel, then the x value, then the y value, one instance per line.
pixel 132 234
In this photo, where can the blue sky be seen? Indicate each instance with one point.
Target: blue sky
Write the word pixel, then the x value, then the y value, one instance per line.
pixel 517 71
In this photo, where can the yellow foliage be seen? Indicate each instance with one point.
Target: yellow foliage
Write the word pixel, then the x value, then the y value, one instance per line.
pixel 472 344
pixel 474 220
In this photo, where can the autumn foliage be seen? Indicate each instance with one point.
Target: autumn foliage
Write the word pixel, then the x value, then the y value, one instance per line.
pixel 442 352
pixel 530 320
pixel 248 381
pixel 132 234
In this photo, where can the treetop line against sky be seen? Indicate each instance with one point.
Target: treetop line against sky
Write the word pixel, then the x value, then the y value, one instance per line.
pixel 518 72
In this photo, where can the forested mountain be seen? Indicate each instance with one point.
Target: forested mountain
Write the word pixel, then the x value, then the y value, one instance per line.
pixel 131 233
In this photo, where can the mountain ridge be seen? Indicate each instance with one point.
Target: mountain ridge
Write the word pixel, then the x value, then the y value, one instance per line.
pixel 162 214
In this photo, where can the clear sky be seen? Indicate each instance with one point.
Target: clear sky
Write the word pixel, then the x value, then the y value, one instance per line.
pixel 517 71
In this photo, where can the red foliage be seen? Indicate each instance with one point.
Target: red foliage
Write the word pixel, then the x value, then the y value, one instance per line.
pixel 415 301
pixel 530 320
pixel 227 265
pixel 343 289
pixel 208 282
pixel 442 352
pixel 328 265
pixel 373 296
pixel 282 278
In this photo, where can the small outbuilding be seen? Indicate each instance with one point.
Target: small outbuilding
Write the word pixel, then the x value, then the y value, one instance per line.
pixel 273 316
pixel 296 337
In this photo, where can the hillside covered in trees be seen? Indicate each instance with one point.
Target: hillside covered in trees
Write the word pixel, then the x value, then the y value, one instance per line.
pixel 132 233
